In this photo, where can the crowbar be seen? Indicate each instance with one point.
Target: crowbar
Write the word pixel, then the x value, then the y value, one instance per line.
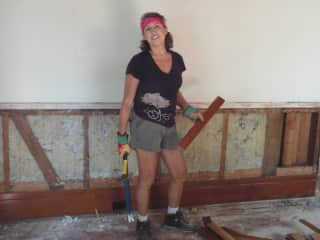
pixel 126 185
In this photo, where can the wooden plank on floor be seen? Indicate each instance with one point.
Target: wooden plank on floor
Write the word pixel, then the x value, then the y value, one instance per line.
pixel 86 163
pixel 5 149
pixel 310 225
pixel 296 236
pixel 303 138
pixel 272 147
pixel 35 204
pixel 216 229
pixel 240 236
pixel 315 236
pixel 291 139
pixel 296 170
pixel 36 150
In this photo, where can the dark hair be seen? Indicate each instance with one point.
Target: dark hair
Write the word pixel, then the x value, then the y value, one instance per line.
pixel 144 45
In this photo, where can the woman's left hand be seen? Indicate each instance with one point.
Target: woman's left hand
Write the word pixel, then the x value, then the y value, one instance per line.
pixel 197 115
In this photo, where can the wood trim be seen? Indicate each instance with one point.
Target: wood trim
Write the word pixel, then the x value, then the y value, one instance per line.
pixel 224 142
pixel 243 173
pixel 291 171
pixel 272 146
pixel 70 112
pixel 35 204
pixel 38 186
pixel 86 162
pixel 196 128
pixel 36 150
pixel 5 149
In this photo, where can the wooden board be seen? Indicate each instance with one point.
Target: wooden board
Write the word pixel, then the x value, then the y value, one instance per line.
pixel 196 128
pixel 61 202
pixel 291 171
pixel 272 147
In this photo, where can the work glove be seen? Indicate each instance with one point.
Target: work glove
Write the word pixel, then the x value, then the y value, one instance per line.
pixel 193 114
pixel 123 144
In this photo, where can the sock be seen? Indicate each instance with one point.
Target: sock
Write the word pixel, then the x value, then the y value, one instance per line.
pixel 142 218
pixel 172 210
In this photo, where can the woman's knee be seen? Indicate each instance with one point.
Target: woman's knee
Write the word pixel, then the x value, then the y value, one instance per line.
pixel 146 180
pixel 179 176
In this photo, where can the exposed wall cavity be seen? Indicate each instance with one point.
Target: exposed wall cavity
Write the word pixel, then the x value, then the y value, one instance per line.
pixel 104 159
pixel 246 137
pixel 61 137
pixel 23 168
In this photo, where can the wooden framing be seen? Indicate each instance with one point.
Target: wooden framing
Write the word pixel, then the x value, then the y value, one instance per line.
pixel 272 147
pixel 291 153
pixel 291 171
pixel 86 162
pixel 79 201
pixel 36 150
pixel 224 141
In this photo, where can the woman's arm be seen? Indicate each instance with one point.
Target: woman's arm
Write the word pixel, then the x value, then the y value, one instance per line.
pixel 188 111
pixel 131 85
pixel 181 101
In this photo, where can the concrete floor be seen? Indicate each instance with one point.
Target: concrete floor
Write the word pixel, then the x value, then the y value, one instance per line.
pixel 273 219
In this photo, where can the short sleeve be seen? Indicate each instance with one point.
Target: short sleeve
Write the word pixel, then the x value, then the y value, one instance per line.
pixel 181 65
pixel 134 67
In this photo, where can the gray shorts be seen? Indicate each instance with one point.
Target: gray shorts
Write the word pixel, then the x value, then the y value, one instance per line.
pixel 150 136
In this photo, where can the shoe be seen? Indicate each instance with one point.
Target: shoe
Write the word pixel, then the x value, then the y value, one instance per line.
pixel 177 222
pixel 143 230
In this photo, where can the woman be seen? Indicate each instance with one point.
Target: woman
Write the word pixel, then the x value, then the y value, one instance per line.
pixel 153 80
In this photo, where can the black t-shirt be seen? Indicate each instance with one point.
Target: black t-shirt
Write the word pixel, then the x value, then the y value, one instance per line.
pixel 156 96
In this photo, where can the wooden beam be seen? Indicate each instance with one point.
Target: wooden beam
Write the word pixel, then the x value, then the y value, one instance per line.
pixel 217 229
pixel 36 150
pixel 240 236
pixel 291 138
pixel 315 236
pixel 5 149
pixel 314 141
pixel 208 234
pixel 303 138
pixel 86 162
pixel 196 128
pixel 296 236
pixel 295 170
pixel 224 142
pixel 35 204
pixel 272 146
pixel 310 225
pixel 243 173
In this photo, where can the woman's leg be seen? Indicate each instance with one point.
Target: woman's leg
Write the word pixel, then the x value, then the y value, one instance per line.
pixel 177 170
pixel 147 165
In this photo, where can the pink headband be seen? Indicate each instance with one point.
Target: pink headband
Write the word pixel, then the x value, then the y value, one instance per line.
pixel 148 20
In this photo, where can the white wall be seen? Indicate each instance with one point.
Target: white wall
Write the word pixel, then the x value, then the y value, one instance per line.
pixel 77 50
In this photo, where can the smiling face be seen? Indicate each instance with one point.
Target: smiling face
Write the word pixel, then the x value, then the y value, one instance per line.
pixel 155 33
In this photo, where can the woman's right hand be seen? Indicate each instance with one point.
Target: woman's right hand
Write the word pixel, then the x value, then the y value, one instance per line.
pixel 123 144
pixel 123 148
